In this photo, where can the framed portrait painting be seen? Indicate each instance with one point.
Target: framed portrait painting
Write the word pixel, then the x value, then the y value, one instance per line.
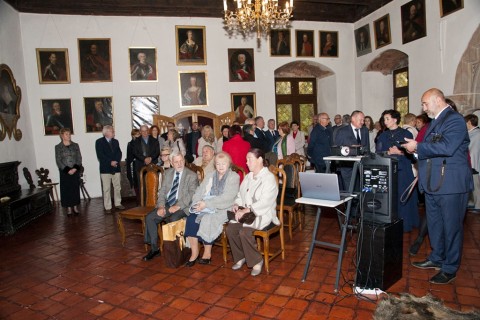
pixel 143 64
pixel 305 43
pixel 244 106
pixel 413 21
pixel 191 45
pixel 280 43
pixel 362 40
pixel 10 97
pixel 98 113
pixel 95 60
pixel 193 88
pixel 53 66
pixel 382 31
pixel 143 109
pixel 241 65
pixel 57 114
pixel 450 6
pixel 328 43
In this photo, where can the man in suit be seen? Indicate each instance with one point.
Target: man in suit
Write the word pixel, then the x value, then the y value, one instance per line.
pixel 260 134
pixel 248 132
pixel 109 156
pixel 272 134
pixel 353 134
pixel 320 143
pixel 174 199
pixel 145 150
pixel 445 176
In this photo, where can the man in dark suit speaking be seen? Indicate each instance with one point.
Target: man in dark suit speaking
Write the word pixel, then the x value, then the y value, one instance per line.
pixel 445 176
pixel 174 199
pixel 354 134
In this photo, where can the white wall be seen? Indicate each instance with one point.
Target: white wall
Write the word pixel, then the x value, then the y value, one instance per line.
pixel 433 60
pixel 62 31
pixel 11 54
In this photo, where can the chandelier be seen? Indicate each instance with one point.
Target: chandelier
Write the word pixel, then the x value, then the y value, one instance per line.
pixel 257 14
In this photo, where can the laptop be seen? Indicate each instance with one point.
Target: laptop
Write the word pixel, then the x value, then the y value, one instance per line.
pixel 322 186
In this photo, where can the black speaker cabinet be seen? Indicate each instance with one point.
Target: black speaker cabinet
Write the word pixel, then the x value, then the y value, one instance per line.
pixel 379 255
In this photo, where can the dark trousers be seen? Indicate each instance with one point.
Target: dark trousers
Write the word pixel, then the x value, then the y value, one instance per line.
pixel 151 225
pixel 191 229
pixel 243 244
pixel 445 214
pixel 69 189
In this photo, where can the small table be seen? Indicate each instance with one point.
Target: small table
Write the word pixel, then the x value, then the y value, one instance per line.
pixel 343 226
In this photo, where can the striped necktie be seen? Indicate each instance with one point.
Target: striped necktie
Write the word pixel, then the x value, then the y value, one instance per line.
pixel 172 195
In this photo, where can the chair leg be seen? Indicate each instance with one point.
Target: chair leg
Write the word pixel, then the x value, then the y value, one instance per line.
pixel 282 243
pixel 266 253
pixel 290 224
pixel 224 245
pixel 121 228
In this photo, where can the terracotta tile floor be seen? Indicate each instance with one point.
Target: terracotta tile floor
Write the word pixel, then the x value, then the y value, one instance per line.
pixel 76 268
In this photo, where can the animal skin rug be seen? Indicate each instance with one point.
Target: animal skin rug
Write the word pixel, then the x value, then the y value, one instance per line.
pixel 409 307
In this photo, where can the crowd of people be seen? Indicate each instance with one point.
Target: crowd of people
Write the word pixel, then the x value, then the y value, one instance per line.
pixel 442 152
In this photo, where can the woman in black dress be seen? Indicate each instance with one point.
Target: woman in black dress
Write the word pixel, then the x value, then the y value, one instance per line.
pixel 69 162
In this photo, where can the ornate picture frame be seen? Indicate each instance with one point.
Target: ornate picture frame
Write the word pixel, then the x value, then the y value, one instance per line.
pixel 57 114
pixel 244 106
pixel 53 66
pixel 305 43
pixel 143 109
pixel 280 43
pixel 98 113
pixel 449 6
pixel 363 42
pixel 191 45
pixel 95 60
pixel 10 98
pixel 143 64
pixel 381 28
pixel 414 24
pixel 328 44
pixel 241 65
pixel 193 88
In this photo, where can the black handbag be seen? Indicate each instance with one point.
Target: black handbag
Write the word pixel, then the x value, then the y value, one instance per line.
pixel 247 218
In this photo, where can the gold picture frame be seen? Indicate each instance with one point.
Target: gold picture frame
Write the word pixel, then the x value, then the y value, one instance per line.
pixel 193 88
pixel 10 97
pixel 191 45
pixel 305 43
pixel 244 106
pixel 95 60
pixel 57 114
pixel 328 43
pixel 53 66
pixel 448 6
pixel 98 113
pixel 143 64
pixel 381 28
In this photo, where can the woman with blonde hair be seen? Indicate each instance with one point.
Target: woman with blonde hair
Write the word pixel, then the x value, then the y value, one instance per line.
pixel 207 138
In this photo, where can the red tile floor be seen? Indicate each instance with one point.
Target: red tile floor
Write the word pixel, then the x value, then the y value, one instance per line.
pixel 62 267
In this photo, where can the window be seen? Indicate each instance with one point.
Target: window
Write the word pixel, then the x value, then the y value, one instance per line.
pixel 400 91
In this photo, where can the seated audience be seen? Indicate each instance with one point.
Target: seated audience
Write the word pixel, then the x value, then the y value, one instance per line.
pixel 210 203
pixel 174 200
pixel 165 158
pixel 258 194
pixel 175 142
pixel 207 138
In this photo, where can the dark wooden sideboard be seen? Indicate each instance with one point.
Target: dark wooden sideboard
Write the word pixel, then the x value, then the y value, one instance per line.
pixel 23 205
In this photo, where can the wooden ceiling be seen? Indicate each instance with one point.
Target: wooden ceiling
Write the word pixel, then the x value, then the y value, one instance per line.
pixel 304 10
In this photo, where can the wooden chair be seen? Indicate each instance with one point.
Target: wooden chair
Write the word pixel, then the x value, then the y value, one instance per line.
pixel 280 177
pixel 291 194
pixel 301 159
pixel 197 169
pixel 223 237
pixel 150 177
pixel 45 182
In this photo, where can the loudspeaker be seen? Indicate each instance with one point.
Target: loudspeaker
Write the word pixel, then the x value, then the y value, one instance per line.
pixel 379 255
pixel 379 183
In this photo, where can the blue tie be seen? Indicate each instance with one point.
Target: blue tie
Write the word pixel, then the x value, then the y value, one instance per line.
pixel 172 195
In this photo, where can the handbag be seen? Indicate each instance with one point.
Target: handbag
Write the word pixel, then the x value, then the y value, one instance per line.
pixel 247 218
pixel 174 250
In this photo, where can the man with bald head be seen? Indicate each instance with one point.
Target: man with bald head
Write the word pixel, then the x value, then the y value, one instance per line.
pixel 445 176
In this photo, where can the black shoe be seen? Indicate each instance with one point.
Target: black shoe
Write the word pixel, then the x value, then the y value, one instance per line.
pixel 443 278
pixel 415 247
pixel 75 211
pixel 190 263
pixel 151 255
pixel 204 261
pixel 427 264
pixel 69 211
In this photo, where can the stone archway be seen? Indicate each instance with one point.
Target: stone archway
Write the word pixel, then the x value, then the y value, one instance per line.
pixel 388 61
pixel 466 91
